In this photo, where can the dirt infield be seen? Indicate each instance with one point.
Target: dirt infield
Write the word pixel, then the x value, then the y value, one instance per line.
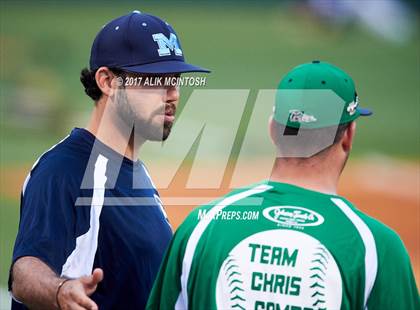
pixel 385 189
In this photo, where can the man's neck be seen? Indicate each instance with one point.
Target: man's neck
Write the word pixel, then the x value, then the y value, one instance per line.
pixel 104 127
pixel 315 177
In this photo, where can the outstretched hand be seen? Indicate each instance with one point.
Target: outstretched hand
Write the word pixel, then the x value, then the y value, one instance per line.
pixel 74 294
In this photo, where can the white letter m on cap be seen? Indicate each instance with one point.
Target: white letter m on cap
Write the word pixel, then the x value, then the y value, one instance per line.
pixel 167 45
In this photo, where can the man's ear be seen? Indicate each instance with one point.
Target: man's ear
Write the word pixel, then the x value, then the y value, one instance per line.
pixel 104 79
pixel 347 140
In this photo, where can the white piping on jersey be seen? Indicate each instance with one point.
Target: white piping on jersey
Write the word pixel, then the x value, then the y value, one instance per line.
pixel 182 301
pixel 371 258
pixel 157 198
pixel 148 175
pixel 80 261
pixel 25 183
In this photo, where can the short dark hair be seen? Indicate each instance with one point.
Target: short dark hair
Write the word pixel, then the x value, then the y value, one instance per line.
pixel 87 77
pixel 315 136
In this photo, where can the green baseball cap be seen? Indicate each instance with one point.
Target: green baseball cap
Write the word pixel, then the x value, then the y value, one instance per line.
pixel 317 95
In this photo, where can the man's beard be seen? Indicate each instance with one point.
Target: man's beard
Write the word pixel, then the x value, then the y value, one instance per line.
pixel 170 109
pixel 143 127
pixel 167 127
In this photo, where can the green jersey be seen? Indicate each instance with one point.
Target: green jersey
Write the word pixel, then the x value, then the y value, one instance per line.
pixel 275 246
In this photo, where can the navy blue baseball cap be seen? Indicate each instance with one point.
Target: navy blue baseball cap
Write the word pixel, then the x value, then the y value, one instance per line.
pixel 140 43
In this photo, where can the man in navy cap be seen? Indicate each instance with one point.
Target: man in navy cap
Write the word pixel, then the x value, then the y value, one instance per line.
pixel 92 229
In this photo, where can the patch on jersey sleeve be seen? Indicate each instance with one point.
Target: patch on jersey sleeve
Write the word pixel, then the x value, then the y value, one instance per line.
pixel 279 269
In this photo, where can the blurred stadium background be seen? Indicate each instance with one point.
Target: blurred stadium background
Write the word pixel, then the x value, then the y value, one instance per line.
pixel 248 45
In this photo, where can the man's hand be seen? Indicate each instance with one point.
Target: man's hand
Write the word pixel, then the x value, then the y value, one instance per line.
pixel 35 284
pixel 73 294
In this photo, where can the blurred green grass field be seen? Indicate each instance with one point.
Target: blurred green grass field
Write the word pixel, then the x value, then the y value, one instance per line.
pixel 44 46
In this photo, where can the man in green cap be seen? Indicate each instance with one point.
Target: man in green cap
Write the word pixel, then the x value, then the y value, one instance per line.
pixel 308 248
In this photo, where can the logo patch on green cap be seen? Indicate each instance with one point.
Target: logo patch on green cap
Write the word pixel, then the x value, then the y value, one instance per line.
pixel 300 117
pixel 351 108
